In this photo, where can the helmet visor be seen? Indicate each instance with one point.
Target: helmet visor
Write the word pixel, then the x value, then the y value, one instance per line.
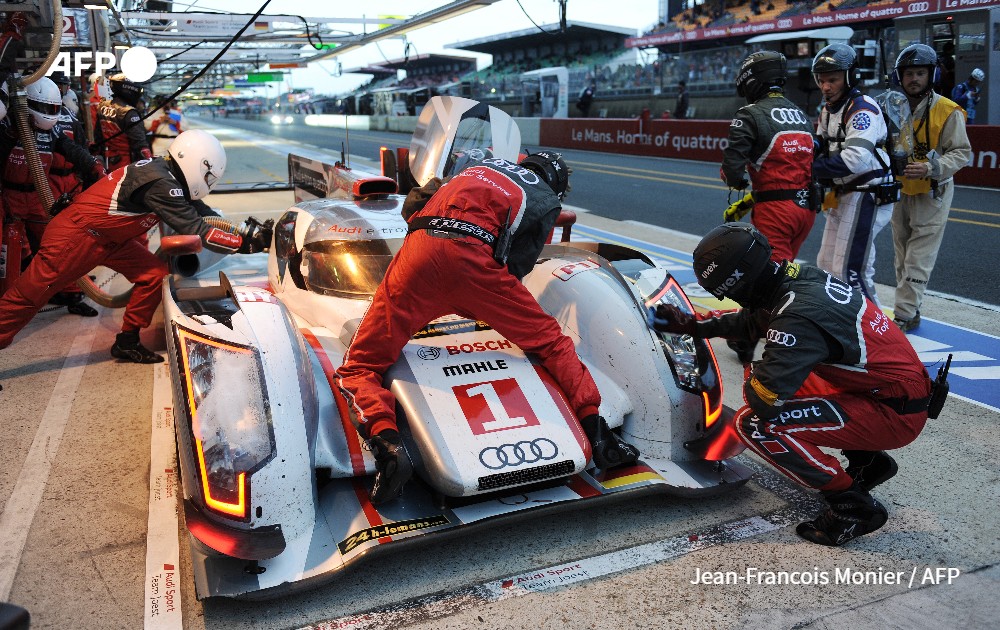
pixel 48 109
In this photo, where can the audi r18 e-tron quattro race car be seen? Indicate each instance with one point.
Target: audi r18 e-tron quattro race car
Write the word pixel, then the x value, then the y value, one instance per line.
pixel 275 477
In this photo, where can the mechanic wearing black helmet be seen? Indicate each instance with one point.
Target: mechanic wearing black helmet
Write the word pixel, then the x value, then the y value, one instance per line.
pixel 772 139
pixel 940 148
pixel 120 135
pixel 835 372
pixel 850 159
pixel 471 239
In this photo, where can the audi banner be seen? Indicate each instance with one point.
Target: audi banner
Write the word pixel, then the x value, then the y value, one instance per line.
pixel 704 140
pixel 864 13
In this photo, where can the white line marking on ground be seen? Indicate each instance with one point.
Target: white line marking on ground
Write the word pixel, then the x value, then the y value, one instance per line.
pixel 441 605
pixel 18 514
pixel 163 597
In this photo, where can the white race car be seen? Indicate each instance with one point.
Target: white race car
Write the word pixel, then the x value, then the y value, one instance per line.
pixel 275 477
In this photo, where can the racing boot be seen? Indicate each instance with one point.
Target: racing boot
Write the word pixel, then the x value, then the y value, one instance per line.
pixel 82 309
pixel 128 348
pixel 870 468
pixel 392 466
pixel 744 349
pixel 852 513
pixel 608 449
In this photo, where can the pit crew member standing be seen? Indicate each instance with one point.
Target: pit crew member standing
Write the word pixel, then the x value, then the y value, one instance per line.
pixel 850 160
pixel 835 372
pixel 455 260
pixel 772 139
pixel 120 135
pixel 20 198
pixel 100 226
pixel 941 148
pixel 61 173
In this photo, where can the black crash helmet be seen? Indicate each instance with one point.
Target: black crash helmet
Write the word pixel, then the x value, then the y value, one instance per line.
pixel 838 57
pixel 729 260
pixel 550 166
pixel 124 89
pixel 760 72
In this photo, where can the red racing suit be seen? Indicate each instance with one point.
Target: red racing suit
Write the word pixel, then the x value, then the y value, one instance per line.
pixel 835 372
pixel 772 139
pixel 99 228
pixel 437 273
pixel 120 135
pixel 61 176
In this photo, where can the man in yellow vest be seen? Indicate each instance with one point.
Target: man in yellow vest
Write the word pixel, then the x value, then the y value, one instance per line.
pixel 940 148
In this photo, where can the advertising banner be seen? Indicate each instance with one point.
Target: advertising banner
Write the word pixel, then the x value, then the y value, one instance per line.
pixel 704 140
pixel 811 20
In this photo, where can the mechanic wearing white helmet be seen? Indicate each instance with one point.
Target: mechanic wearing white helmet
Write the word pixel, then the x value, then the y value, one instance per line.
pixel 966 94
pixel 850 160
pixel 55 149
pixel 120 135
pixel 100 226
pixel 470 242
pixel 941 148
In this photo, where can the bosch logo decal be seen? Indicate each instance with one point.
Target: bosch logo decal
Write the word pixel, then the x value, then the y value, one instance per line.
pixel 480 346
pixel 429 353
pixel 862 121
pixel 523 452
pixel 788 116
pixel 780 338
pixel 919 7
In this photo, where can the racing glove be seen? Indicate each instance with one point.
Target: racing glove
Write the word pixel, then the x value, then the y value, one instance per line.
pixel 739 209
pixel 256 236
pixel 670 319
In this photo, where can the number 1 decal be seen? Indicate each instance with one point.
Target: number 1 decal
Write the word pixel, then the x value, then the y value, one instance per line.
pixel 495 406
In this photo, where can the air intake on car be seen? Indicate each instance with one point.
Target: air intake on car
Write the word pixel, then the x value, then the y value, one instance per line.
pixel 526 475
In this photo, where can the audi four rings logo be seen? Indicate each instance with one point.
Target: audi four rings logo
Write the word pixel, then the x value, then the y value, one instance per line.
pixel 429 353
pixel 784 23
pixel 780 338
pixel 919 7
pixel 788 116
pixel 523 452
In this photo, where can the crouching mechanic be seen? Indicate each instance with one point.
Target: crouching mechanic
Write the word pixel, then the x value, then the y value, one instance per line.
pixel 100 226
pixel 457 259
pixel 835 372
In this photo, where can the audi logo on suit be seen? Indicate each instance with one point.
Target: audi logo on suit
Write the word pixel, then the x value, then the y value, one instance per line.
pixel 788 116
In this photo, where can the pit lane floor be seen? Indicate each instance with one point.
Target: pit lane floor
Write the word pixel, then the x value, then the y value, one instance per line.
pixel 75 485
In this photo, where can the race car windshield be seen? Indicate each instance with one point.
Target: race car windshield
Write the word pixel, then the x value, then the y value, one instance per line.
pixel 349 269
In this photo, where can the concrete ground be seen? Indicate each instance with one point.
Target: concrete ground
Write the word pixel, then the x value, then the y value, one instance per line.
pixel 74 486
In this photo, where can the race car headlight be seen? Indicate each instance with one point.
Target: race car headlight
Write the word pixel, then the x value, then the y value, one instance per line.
pixel 288 120
pixel 275 119
pixel 693 360
pixel 230 418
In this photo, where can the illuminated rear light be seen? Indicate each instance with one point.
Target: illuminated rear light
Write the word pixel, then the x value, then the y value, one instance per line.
pixel 230 418
pixel 712 412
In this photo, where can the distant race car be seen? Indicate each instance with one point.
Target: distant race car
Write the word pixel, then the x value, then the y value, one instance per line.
pixel 275 477
pixel 279 119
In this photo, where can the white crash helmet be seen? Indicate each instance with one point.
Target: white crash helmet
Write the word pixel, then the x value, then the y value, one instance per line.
pixel 71 102
pixel 201 160
pixel 44 103
pixel 978 75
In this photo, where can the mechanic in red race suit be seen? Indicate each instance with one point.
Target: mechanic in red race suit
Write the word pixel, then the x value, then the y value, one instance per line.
pixel 61 174
pixel 455 259
pixel 100 226
pixel 20 198
pixel 836 372
pixel 120 135
pixel 772 139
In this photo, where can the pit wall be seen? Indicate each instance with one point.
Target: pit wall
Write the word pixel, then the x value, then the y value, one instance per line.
pixel 701 140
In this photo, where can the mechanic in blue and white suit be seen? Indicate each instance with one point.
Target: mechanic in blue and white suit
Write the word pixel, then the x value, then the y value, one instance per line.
pixel 850 160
